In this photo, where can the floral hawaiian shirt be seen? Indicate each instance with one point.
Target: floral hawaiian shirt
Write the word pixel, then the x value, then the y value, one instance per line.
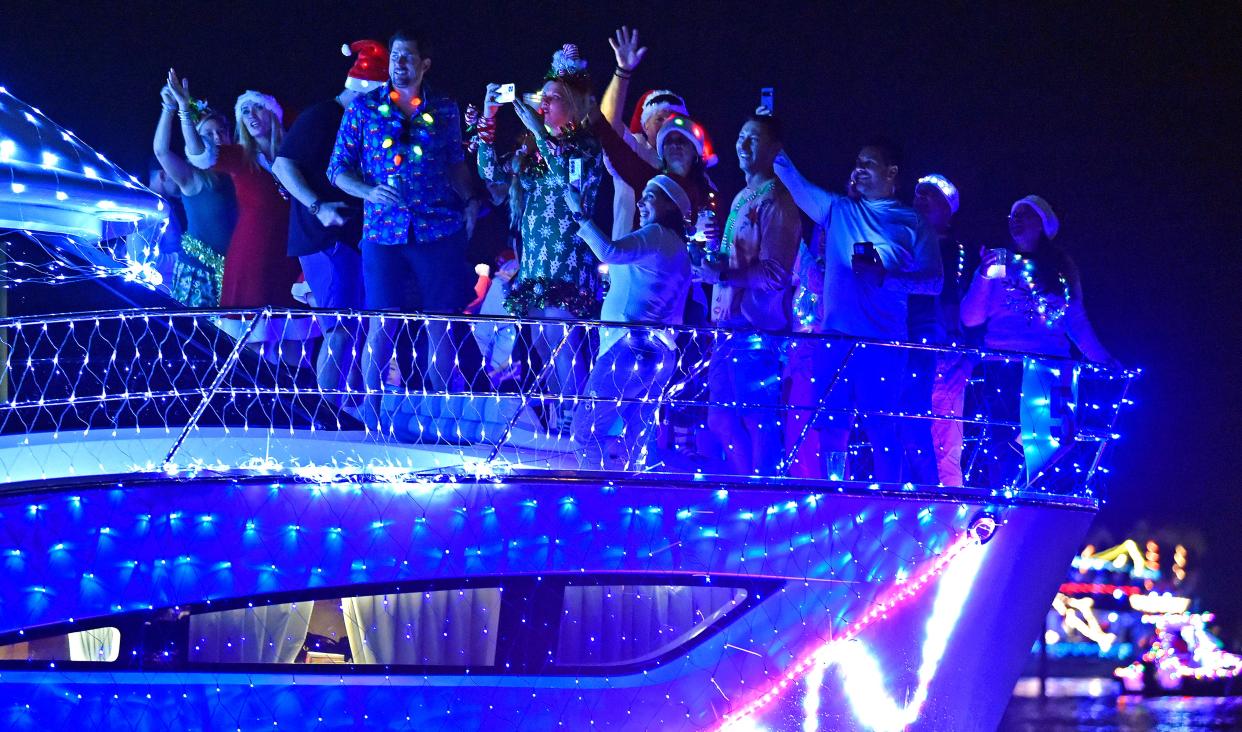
pixel 414 155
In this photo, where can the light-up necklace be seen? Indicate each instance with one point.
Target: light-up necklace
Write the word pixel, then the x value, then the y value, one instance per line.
pixel 1043 305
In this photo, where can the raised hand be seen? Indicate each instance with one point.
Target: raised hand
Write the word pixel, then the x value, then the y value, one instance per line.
pixel 180 89
pixel 490 105
pixel 529 117
pixel 625 46
pixel 167 96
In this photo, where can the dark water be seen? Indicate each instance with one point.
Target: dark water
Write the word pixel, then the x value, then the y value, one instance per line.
pixel 1123 714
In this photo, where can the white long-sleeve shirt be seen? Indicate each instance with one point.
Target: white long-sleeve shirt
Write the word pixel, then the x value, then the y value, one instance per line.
pixel 649 277
pixel 1007 310
pixel 906 246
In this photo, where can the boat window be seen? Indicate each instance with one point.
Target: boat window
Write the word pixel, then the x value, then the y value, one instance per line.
pixel 454 627
pixel 99 645
pixel 613 625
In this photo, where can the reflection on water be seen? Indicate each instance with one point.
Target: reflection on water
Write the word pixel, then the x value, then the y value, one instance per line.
pixel 1123 714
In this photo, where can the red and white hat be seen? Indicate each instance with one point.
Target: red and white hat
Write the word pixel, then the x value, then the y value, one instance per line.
pixel 679 124
pixel 654 101
pixel 267 101
pixel 370 69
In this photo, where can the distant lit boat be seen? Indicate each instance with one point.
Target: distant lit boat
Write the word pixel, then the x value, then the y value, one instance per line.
pixel 192 537
pixel 1184 659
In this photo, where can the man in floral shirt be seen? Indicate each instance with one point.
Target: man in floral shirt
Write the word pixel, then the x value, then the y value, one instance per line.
pixel 399 149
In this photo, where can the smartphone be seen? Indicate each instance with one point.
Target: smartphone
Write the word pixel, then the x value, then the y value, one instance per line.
pixel 766 95
pixel 506 93
pixel 866 250
pixel 575 170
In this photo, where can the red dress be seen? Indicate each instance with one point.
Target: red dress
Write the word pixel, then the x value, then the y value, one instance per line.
pixel 257 271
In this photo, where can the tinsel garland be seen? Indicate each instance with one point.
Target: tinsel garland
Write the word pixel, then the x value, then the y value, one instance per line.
pixel 541 292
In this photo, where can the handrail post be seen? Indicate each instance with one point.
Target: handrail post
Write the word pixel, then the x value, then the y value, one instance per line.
pixel 525 398
pixel 782 469
pixel 225 369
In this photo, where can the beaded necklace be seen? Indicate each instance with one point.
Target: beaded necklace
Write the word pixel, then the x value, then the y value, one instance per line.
pixel 1043 306
pixel 727 239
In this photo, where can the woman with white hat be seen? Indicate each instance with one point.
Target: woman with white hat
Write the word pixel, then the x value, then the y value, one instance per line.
pixel 257 271
pixel 1029 299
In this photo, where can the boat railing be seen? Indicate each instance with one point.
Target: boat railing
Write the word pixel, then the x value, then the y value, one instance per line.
pixel 181 392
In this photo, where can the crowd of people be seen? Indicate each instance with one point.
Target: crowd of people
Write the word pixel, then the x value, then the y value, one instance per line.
pixel 369 199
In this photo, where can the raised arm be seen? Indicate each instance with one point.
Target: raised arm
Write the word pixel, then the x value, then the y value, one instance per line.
pixel 488 162
pixel 923 272
pixel 195 149
pixel 813 200
pixel 628 54
pixel 173 164
pixel 629 165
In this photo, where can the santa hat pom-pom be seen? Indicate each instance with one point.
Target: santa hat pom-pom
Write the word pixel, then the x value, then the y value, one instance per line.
pixel 345 49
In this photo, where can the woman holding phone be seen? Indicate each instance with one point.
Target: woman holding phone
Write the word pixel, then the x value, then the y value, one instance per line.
pixel 558 277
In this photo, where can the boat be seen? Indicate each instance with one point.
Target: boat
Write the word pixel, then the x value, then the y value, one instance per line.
pixel 194 537
pixel 1184 658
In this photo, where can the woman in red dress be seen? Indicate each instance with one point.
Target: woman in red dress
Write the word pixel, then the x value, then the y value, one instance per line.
pixel 257 271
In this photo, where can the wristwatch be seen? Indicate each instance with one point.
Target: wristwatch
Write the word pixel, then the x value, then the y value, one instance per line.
pixel 314 207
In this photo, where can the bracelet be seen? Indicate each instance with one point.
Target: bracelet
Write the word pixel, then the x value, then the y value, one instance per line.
pixel 184 114
pixel 621 73
pixel 486 130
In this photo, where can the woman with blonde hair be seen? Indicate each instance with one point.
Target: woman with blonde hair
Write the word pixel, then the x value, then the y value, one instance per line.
pixel 257 271
pixel 558 275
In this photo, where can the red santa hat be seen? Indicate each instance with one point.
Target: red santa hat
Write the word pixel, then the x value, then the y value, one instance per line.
pixel 267 101
pixel 693 131
pixel 655 101
pixel 370 69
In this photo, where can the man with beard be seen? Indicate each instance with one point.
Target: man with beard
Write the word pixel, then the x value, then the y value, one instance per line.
pixel 399 149
pixel 877 252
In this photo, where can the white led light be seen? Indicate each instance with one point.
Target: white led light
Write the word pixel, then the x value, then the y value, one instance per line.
pixel 89 172
pixel 49 159
pixel 17 187
pixel 8 149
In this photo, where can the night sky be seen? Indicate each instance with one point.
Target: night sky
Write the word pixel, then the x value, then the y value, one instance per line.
pixel 1126 118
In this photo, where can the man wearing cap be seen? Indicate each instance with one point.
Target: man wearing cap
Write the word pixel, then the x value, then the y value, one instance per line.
pixel 325 223
pixel 399 149
pixel 649 273
pixel 877 252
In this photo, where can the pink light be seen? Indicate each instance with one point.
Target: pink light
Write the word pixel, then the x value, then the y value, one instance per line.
pixel 816 657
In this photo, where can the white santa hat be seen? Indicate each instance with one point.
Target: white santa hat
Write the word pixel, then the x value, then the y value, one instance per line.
pixel 266 101
pixel 1041 209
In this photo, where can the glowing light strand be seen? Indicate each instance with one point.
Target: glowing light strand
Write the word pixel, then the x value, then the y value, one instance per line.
pixel 863 678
